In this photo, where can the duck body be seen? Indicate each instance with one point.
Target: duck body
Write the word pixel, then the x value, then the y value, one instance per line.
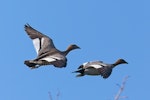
pixel 47 54
pixel 97 68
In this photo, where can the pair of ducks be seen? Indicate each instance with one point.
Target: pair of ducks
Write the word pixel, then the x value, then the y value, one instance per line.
pixel 47 54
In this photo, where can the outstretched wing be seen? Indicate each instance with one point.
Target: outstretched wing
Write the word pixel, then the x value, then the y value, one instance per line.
pixel 105 72
pixel 41 42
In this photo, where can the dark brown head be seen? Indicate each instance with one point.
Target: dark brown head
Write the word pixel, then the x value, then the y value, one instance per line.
pixel 120 61
pixel 70 48
pixel 73 46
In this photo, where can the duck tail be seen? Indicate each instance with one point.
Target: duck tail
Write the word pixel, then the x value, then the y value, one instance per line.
pixel 81 71
pixel 30 64
pixel 79 75
pixel 76 71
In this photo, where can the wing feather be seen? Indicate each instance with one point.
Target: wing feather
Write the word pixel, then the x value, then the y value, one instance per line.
pixel 94 64
pixel 105 72
pixel 36 43
pixel 41 42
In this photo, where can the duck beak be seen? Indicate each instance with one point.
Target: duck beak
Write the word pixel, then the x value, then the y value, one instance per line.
pixel 126 62
pixel 78 47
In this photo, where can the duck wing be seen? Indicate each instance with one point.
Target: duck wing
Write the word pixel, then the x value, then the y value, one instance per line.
pixel 41 42
pixel 55 58
pixel 105 71
pixel 94 64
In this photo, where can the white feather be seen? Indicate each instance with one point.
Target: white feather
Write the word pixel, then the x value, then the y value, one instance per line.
pixel 36 43
pixel 85 63
pixel 51 58
pixel 97 66
pixel 42 41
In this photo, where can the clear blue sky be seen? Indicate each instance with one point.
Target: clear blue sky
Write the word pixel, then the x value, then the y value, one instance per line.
pixel 104 29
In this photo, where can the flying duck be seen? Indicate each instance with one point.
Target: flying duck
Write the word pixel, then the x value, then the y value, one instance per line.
pixel 47 54
pixel 98 68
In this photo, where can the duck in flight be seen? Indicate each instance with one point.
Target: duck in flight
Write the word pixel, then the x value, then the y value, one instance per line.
pixel 47 54
pixel 98 68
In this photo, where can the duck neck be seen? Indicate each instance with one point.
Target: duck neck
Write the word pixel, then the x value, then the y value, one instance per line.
pixel 116 63
pixel 67 51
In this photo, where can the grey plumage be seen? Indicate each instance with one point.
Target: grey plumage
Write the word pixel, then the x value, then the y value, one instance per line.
pixel 47 53
pixel 98 68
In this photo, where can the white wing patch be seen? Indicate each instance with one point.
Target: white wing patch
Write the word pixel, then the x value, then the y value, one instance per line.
pixel 42 41
pixel 85 63
pixel 36 43
pixel 97 66
pixel 51 58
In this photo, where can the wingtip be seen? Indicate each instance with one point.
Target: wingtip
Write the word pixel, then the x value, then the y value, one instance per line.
pixel 27 25
pixel 105 77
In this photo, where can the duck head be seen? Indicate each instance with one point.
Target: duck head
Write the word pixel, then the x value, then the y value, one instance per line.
pixel 73 46
pixel 120 61
pixel 70 48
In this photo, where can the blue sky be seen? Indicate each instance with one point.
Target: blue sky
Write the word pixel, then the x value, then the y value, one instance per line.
pixel 104 29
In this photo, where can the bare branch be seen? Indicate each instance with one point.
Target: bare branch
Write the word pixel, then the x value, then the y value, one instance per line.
pixel 118 95
pixel 58 94
pixel 123 97
pixel 50 96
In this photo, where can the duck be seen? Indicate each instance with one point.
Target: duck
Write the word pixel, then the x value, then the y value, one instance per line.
pixel 94 68
pixel 47 53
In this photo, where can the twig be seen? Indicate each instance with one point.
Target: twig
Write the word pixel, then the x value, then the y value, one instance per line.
pixel 50 96
pixel 58 94
pixel 118 95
